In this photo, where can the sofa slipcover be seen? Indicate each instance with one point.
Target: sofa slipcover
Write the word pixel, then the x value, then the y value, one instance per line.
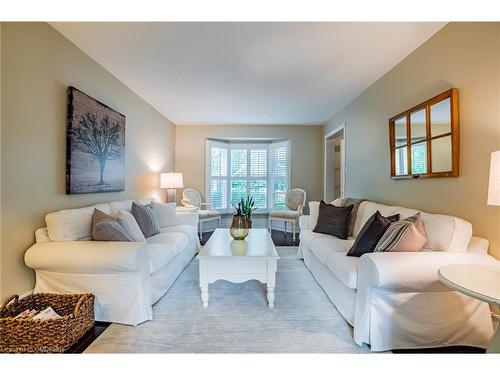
pixel 395 300
pixel 127 278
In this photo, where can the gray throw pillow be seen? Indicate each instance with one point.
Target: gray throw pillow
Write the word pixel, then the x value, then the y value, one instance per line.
pixel 354 213
pixel 145 216
pixel 333 220
pixel 107 228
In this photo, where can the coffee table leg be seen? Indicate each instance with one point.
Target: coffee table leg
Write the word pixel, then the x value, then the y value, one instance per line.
pixel 204 295
pixel 270 296
pixel 271 281
pixel 204 282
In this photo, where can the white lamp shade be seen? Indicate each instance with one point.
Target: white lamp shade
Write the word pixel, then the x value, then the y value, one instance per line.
pixel 494 187
pixel 171 180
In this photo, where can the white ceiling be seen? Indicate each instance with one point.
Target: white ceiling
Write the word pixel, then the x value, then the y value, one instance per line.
pixel 248 73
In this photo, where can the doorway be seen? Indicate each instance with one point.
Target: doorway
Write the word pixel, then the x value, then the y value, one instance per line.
pixel 334 173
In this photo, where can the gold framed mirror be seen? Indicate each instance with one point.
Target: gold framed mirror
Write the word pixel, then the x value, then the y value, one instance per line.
pixel 424 140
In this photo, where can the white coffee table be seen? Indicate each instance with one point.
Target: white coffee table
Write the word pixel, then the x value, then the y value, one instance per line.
pixel 254 258
pixel 478 281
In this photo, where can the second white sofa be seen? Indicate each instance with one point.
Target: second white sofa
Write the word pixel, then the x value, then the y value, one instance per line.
pixel 127 278
pixel 395 300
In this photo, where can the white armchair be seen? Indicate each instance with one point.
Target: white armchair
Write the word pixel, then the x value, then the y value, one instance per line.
pixel 295 200
pixel 206 211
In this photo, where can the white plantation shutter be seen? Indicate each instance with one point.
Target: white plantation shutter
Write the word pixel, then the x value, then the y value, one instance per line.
pixel 258 162
pixel 279 174
pixel 217 176
pixel 236 170
pixel 239 162
pixel 258 175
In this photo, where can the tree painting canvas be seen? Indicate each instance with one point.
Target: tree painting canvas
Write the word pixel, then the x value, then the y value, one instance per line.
pixel 95 146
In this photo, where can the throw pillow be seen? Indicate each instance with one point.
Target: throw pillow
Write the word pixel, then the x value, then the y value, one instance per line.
pixel 371 233
pixel 404 235
pixel 333 220
pixel 146 218
pixel 107 228
pixel 166 214
pixel 127 220
pixel 354 213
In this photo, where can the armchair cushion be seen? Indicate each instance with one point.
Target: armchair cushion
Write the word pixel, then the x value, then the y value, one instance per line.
pixel 284 214
pixel 205 214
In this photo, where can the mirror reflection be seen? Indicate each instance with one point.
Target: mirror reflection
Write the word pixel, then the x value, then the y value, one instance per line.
pixel 401 162
pixel 441 118
pixel 419 158
pixel 400 131
pixel 441 154
pixel 417 126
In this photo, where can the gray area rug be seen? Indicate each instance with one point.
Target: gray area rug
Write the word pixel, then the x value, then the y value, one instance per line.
pixel 237 319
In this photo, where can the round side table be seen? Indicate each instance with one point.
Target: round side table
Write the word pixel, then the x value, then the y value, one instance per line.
pixel 479 281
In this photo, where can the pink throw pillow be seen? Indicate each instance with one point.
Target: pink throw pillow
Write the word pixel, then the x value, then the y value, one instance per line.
pixel 414 238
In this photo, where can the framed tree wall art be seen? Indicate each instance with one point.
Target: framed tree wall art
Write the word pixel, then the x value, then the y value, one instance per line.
pixel 95 146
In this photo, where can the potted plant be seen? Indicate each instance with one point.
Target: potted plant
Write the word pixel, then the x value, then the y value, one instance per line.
pixel 239 224
pixel 247 207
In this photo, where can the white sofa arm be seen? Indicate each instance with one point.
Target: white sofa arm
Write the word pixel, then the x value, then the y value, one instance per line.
pixel 412 272
pixel 478 245
pixel 304 222
pixel 188 218
pixel 89 257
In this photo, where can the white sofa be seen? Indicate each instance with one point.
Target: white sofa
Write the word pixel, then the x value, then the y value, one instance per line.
pixel 395 300
pixel 127 278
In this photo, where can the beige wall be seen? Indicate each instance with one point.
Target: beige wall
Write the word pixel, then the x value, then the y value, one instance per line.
pixel 306 151
pixel 1 278
pixel 37 66
pixel 461 55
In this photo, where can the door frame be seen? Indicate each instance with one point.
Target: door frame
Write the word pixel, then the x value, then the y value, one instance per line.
pixel 330 134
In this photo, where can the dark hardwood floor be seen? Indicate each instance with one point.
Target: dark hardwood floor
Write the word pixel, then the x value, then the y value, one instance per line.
pixel 445 350
pixel 279 239
pixel 88 338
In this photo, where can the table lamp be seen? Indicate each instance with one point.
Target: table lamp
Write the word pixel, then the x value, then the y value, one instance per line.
pixel 171 181
pixel 494 186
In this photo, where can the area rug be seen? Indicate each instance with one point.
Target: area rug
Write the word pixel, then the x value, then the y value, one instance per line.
pixel 237 319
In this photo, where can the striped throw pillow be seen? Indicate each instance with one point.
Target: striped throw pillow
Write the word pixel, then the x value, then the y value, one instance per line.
pixel 146 218
pixel 404 235
pixel 107 228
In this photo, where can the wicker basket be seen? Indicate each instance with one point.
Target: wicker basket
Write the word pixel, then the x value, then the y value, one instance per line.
pixel 19 335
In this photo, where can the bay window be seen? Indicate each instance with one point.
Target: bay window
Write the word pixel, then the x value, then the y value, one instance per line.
pixel 236 170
